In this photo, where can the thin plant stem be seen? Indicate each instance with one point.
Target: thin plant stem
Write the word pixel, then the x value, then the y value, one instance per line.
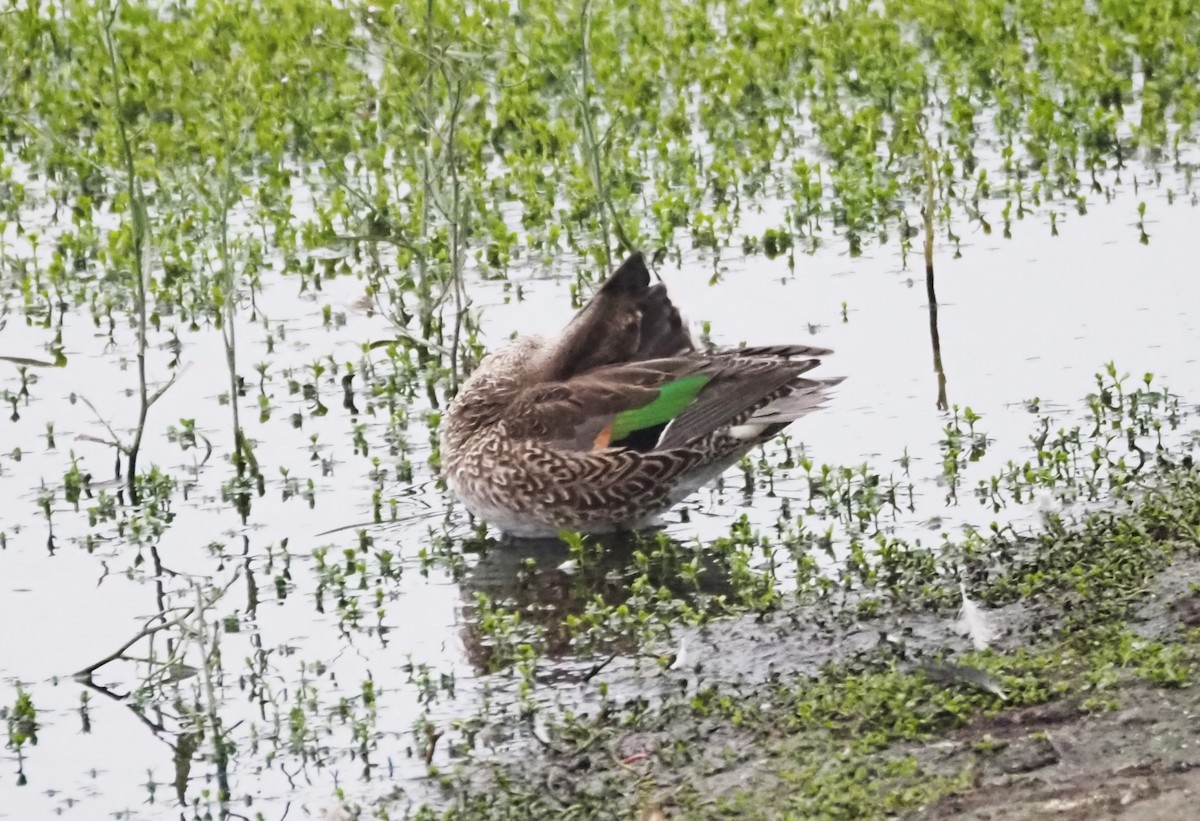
pixel 140 231
pixel 456 241
pixel 591 146
pixel 930 289
pixel 228 327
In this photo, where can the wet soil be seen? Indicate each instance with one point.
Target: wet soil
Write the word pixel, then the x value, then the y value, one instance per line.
pixel 717 736
pixel 1138 760
pixel 1058 761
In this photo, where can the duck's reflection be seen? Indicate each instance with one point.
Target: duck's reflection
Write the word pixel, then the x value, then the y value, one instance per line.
pixel 554 584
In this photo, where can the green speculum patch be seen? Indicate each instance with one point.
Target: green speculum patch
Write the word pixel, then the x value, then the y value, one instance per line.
pixel 672 398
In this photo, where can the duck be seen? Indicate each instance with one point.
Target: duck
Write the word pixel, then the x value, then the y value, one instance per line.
pixel 616 420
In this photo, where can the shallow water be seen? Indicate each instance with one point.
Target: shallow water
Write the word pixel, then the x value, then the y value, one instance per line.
pixel 1035 316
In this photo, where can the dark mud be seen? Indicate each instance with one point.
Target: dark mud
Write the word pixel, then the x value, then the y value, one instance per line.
pixel 1138 761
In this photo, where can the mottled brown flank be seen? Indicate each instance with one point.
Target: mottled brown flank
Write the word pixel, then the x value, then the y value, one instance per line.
pixel 518 442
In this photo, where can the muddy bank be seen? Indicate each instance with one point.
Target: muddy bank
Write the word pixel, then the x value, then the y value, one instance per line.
pixel 1137 760
pixel 1083 705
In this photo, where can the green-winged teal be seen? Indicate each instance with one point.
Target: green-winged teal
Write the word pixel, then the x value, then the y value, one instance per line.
pixel 618 418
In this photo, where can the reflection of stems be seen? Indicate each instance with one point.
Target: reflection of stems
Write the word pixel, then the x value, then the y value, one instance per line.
pixel 930 290
pixel 210 651
pixel 86 673
pixel 182 751
pixel 170 671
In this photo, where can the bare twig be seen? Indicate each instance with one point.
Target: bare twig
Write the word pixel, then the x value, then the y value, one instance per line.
pixel 598 667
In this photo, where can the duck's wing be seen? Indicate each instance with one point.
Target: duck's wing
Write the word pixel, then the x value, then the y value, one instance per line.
pixel 662 404
pixel 626 372
pixel 745 383
pixel 580 413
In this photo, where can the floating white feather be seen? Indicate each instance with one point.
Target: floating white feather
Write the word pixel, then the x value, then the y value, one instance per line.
pixel 681 658
pixel 973 622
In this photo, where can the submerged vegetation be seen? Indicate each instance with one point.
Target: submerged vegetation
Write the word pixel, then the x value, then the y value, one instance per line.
pixel 244 249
